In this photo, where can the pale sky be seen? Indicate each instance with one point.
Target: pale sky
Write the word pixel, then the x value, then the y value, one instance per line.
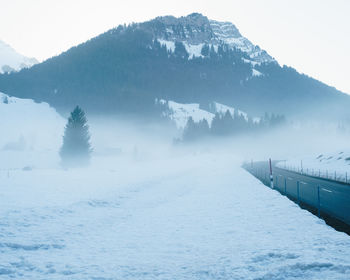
pixel 312 36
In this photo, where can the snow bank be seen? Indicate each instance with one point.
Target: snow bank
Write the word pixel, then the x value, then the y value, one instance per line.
pixel 334 165
pixel 28 128
pixel 202 217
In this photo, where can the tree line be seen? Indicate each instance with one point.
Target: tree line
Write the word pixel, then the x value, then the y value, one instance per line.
pixel 76 148
pixel 227 125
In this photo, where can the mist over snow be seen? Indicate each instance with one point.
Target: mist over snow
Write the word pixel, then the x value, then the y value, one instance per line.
pixel 31 133
pixel 124 157
pixel 147 208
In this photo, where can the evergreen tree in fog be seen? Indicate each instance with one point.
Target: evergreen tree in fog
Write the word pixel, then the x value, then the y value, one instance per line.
pixel 76 148
pixel 189 133
pixel 195 130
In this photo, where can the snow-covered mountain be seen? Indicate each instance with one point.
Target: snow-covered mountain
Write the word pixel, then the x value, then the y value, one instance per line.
pixel 189 60
pixel 10 60
pixel 196 30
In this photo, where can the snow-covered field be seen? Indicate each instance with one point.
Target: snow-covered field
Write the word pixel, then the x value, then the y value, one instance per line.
pixel 190 216
pixel 147 210
pixel 335 165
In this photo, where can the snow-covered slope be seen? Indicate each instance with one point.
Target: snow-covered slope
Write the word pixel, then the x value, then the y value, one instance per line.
pixel 334 165
pixel 27 128
pixel 222 109
pixel 10 60
pixel 179 112
pixel 195 30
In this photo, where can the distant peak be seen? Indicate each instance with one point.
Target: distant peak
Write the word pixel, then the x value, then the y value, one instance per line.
pixel 225 27
pixel 194 19
pixel 10 60
pixel 195 29
pixel 197 16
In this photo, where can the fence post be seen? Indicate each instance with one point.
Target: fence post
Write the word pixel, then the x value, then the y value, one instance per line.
pixel 318 202
pixel 301 166
pixel 285 186
pixel 271 176
pixel 298 193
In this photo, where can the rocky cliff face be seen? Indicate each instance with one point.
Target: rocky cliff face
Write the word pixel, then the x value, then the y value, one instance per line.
pixel 195 30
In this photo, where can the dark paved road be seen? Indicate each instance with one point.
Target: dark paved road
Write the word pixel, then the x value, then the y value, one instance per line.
pixel 328 197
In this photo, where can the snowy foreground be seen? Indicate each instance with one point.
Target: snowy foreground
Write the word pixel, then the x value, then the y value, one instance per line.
pixel 196 216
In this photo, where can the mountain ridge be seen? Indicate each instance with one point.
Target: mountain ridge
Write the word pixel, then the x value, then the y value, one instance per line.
pixel 10 60
pixel 196 29
pixel 189 60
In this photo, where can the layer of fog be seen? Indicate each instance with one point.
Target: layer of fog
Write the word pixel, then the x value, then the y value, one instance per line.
pixel 130 141
pixel 156 141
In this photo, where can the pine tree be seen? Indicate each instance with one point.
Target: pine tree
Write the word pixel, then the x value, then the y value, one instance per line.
pixel 205 50
pixel 189 133
pixel 216 125
pixel 195 130
pixel 227 123
pixel 180 50
pixel 76 149
pixel 203 127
